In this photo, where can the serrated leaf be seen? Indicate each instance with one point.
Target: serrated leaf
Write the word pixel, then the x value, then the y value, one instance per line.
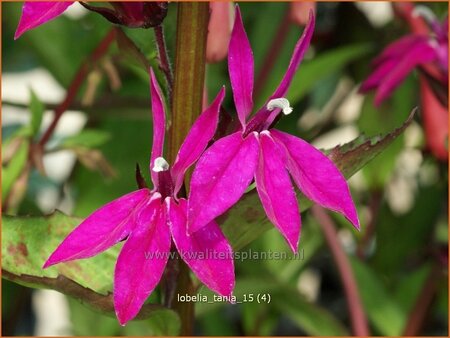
pixel 247 220
pixel 352 156
pixel 28 241
pixel 37 112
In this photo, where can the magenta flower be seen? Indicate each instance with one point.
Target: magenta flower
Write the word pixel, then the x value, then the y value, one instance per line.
pixel 259 152
pixel 148 219
pixel 414 50
pixel 130 14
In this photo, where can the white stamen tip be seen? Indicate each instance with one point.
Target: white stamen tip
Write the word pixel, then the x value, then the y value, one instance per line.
pixel 160 164
pixel 281 103
pixel 424 12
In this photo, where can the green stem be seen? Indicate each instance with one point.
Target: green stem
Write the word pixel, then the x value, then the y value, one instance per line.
pixel 192 28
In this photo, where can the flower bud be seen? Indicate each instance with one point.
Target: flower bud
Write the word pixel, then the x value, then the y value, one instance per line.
pixel 219 31
pixel 133 14
pixel 299 11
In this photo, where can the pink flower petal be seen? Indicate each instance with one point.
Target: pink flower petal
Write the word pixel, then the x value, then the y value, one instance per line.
pixel 220 178
pixel 159 126
pixel 102 229
pixel 317 176
pixel 276 191
pixel 419 54
pixel 202 131
pixel 241 69
pixel 264 115
pixel 397 48
pixel 207 251
pixel 378 75
pixel 141 261
pixel 297 57
pixel 36 13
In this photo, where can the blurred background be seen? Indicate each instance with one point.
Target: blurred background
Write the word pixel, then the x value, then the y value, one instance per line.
pixel 399 258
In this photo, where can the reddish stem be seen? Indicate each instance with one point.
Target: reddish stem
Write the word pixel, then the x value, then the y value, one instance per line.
pixel 418 313
pixel 375 202
pixel 77 82
pixel 164 63
pixel 274 51
pixel 357 314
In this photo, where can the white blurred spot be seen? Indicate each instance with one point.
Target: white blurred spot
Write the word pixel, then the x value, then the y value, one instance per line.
pixel 336 137
pixel 52 313
pixel 379 13
pixel 75 11
pixel 308 284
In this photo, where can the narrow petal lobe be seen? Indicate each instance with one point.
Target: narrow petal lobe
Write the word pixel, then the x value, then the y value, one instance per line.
pixel 207 251
pixel 276 191
pixel 37 13
pixel 419 54
pixel 241 69
pixel 141 261
pixel 300 49
pixel 220 178
pixel 317 176
pixel 197 140
pixel 158 116
pixel 102 229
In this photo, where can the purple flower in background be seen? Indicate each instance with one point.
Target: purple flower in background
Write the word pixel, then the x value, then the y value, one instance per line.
pixel 130 14
pixel 259 152
pixel 148 219
pixel 414 50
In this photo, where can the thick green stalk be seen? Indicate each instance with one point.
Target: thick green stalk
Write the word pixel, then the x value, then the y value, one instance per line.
pixel 192 27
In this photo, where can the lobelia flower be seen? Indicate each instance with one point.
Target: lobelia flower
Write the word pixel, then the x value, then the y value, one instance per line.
pixel 148 219
pixel 414 50
pixel 432 37
pixel 257 151
pixel 130 14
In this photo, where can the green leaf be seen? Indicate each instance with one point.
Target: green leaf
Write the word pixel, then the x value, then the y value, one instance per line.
pixel 349 158
pixel 12 171
pixel 315 321
pixel 310 317
pixel 88 138
pixel 380 120
pixel 28 241
pixel 87 322
pixel 321 67
pixel 383 312
pixel 312 71
pixel 37 112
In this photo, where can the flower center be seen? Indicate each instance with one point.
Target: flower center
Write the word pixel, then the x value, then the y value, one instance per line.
pixel 165 184
pixel 160 164
pixel 281 103
pixel 266 118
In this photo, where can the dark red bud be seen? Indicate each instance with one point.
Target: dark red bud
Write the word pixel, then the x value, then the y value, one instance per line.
pixel 133 14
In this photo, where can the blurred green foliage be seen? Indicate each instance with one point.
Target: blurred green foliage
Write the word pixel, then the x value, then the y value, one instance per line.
pixel 398 256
